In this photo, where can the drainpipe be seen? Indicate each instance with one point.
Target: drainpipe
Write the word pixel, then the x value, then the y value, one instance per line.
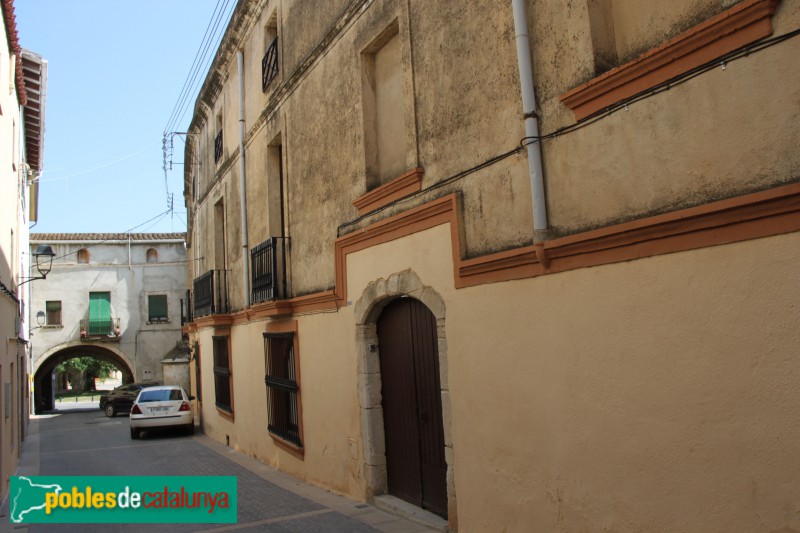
pixel 531 130
pixel 242 182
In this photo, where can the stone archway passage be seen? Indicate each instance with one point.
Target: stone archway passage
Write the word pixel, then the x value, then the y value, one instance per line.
pixel 412 405
pixel 42 381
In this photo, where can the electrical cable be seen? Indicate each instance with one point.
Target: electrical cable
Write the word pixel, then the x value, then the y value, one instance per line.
pixel 600 115
pixel 115 236
pixel 202 66
pixel 197 54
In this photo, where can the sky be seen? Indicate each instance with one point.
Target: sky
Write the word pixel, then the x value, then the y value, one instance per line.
pixel 116 70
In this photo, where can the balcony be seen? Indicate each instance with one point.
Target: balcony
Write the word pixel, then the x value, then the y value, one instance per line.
pixel 269 65
pixel 186 309
pixel 100 329
pixel 218 147
pixel 267 265
pixel 211 294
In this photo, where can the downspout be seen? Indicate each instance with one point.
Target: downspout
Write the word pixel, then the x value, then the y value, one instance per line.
pixel 531 130
pixel 242 183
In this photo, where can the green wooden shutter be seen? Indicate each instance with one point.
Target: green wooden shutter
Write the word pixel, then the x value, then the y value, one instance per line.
pixel 157 308
pixel 99 313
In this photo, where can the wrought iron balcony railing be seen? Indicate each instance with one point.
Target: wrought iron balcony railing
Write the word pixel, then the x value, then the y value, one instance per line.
pixel 186 309
pixel 269 65
pixel 100 329
pixel 211 293
pixel 267 267
pixel 218 146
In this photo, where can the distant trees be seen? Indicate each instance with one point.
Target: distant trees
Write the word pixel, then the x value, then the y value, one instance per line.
pixel 89 367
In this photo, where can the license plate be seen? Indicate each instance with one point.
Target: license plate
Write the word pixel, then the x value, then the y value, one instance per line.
pixel 159 409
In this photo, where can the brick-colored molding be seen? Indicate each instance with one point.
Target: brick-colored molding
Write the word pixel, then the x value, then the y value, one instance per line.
pixel 738 26
pixel 762 214
pixel 400 187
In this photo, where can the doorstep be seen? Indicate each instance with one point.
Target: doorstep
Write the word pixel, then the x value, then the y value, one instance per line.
pixel 403 509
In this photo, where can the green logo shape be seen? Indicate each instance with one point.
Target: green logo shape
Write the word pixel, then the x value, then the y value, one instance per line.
pixel 123 500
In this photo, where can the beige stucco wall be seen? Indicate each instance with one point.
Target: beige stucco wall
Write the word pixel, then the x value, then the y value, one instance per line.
pixel 655 394
pixel 329 401
pixel 722 134
pixel 651 395
pixel 10 124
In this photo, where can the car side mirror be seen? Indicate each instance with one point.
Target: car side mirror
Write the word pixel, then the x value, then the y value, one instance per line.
pixel 191 398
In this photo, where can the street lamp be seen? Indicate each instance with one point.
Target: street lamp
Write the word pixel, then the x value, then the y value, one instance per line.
pixel 40 319
pixel 44 262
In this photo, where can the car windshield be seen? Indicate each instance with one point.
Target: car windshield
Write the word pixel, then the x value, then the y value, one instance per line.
pixel 160 395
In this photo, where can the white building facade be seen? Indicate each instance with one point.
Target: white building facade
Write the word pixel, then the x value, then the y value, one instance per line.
pixel 116 297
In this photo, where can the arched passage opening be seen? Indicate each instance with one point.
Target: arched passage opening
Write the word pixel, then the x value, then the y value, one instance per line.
pixel 43 386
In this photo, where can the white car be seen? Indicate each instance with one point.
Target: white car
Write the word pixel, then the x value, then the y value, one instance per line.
pixel 159 407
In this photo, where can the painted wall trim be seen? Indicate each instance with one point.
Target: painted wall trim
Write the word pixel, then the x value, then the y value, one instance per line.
pixel 742 24
pixel 762 214
pixel 400 187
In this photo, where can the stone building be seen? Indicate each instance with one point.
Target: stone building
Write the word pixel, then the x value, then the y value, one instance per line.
pixel 529 265
pixel 23 79
pixel 116 297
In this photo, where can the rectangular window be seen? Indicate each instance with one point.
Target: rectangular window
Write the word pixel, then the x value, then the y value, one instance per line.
pixel 282 388
pixel 157 308
pixel 100 313
pixel 53 309
pixel 223 379
pixel 383 100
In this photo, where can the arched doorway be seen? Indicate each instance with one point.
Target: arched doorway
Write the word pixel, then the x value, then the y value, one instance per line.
pixel 412 405
pixel 43 375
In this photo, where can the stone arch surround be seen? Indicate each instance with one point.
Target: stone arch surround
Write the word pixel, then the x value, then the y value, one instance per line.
pixel 46 362
pixel 368 308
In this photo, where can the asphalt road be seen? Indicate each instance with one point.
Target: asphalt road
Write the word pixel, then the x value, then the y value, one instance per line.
pixel 85 442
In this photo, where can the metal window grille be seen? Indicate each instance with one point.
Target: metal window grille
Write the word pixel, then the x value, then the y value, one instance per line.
pixel 211 293
pixel 186 309
pixel 264 268
pixel 222 374
pixel 197 372
pixel 269 65
pixel 282 389
pixel 218 147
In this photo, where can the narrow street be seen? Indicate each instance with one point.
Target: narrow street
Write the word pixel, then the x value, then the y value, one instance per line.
pixel 82 441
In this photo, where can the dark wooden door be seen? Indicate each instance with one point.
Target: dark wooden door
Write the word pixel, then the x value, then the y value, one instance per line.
pixel 412 405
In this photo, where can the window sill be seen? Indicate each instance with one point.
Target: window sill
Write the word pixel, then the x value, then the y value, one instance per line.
pixel 400 187
pixel 744 23
pixel 224 413
pixel 158 323
pixel 288 447
pixel 53 326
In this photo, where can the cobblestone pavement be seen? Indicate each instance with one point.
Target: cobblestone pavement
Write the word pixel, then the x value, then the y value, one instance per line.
pixel 85 442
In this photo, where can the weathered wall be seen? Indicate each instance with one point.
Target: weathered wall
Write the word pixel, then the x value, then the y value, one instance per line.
pixel 10 125
pixel 654 394
pixel 579 396
pixel 130 284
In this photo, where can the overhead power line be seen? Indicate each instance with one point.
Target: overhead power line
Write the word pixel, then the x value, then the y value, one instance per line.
pixel 202 60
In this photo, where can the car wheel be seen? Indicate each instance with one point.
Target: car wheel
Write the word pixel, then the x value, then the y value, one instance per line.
pixel 190 429
pixel 134 433
pixel 110 411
